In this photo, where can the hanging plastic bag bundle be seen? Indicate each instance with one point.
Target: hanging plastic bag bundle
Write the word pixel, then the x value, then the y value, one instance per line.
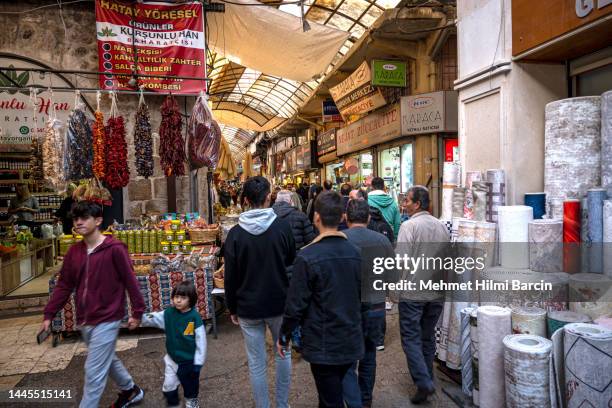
pixel 204 136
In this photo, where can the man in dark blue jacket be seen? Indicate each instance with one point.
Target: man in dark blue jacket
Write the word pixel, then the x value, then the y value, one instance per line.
pixel 324 296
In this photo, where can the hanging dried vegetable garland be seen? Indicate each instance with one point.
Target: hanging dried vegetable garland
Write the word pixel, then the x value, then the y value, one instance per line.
pixel 143 140
pixel 53 153
pixel 117 171
pixel 36 165
pixel 99 159
pixel 79 147
pixel 36 170
pixel 171 142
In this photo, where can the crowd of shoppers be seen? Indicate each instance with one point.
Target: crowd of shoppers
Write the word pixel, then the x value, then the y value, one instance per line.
pixel 283 273
pixel 302 278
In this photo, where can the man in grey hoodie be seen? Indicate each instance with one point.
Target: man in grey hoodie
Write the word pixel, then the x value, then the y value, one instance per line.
pixel 257 253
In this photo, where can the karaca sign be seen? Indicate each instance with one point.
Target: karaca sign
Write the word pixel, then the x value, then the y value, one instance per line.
pixel 169 41
pixel 376 128
pixel 356 95
pixel 429 113
pixel 19 117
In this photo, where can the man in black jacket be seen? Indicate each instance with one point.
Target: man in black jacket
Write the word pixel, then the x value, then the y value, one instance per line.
pixel 359 381
pixel 303 231
pixel 257 253
pixel 324 297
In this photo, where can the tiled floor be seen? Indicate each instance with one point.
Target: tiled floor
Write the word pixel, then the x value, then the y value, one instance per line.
pixel 20 354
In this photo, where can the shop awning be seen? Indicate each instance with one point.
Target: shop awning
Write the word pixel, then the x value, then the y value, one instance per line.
pixel 272 41
pixel 247 95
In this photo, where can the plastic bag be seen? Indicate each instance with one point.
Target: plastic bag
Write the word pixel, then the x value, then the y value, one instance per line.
pixel 203 136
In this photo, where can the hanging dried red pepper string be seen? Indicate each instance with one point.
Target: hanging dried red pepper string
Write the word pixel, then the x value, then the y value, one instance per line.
pixel 117 171
pixel 99 159
pixel 171 142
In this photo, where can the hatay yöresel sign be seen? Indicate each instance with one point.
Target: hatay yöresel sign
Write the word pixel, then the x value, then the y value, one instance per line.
pixel 168 38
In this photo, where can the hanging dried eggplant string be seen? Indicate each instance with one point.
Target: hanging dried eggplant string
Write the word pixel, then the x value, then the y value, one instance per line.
pixel 117 171
pixel 36 165
pixel 80 143
pixel 143 139
pixel 99 159
pixel 53 150
pixel 171 142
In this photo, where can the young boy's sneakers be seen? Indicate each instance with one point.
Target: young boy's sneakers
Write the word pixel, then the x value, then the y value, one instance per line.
pixel 129 397
pixel 192 403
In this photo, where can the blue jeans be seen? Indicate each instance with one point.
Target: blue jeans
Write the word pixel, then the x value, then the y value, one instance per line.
pixel 102 361
pixel 254 333
pixel 417 328
pixel 358 383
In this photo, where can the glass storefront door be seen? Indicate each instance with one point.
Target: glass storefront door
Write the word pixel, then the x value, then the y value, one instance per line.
pixel 396 167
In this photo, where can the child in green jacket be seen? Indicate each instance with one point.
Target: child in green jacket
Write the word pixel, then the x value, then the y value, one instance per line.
pixel 185 344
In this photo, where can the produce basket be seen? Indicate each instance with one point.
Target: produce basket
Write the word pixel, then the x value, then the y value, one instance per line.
pixel 204 235
pixel 219 278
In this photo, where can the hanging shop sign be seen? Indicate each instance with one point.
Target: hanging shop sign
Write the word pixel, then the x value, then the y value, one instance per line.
pixel 168 38
pixel 19 118
pixel 451 150
pixel 374 129
pixel 306 156
pixel 331 112
pixel 326 142
pixel 356 95
pixel 429 113
pixel 535 23
pixel 299 158
pixel 279 161
pixel 389 73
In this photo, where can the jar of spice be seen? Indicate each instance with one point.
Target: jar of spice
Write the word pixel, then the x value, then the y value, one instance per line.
pixel 165 248
pixel 176 247
pixel 180 235
pixel 186 247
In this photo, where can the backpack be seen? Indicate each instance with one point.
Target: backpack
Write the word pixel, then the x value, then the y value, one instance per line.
pixel 379 224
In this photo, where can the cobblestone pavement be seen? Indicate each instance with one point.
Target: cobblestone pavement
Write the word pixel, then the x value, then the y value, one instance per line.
pixel 224 380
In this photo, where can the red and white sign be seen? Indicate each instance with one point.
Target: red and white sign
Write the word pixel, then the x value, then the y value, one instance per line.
pixel 169 41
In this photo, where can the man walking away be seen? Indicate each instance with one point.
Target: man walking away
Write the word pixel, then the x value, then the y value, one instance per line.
pixel 345 191
pixel 358 386
pixel 378 198
pixel 421 235
pixel 257 253
pixel 324 297
pixel 100 270
pixel 303 231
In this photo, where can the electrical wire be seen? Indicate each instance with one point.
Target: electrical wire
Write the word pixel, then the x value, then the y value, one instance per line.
pixel 46 6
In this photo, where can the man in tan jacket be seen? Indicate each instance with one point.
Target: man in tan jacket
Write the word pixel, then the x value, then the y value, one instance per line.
pixel 422 236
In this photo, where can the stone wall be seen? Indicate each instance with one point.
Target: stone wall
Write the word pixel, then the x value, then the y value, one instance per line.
pixel 67 40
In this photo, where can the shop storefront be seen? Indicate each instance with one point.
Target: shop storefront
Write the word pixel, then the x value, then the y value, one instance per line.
pixel 357 144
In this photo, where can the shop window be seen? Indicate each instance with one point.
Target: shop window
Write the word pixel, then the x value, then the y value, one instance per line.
pixel 396 167
pixel 446 65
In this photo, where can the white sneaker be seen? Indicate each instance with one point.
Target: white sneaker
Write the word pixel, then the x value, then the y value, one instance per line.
pixel 380 348
pixel 192 403
pixel 388 305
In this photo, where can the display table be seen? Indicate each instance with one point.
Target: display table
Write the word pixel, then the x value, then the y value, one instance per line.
pixel 156 288
pixel 19 268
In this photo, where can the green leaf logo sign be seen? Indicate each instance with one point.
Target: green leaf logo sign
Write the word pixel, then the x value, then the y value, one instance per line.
pixel 106 32
pixel 10 78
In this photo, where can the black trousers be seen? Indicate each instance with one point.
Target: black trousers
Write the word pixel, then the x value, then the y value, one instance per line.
pixel 328 379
